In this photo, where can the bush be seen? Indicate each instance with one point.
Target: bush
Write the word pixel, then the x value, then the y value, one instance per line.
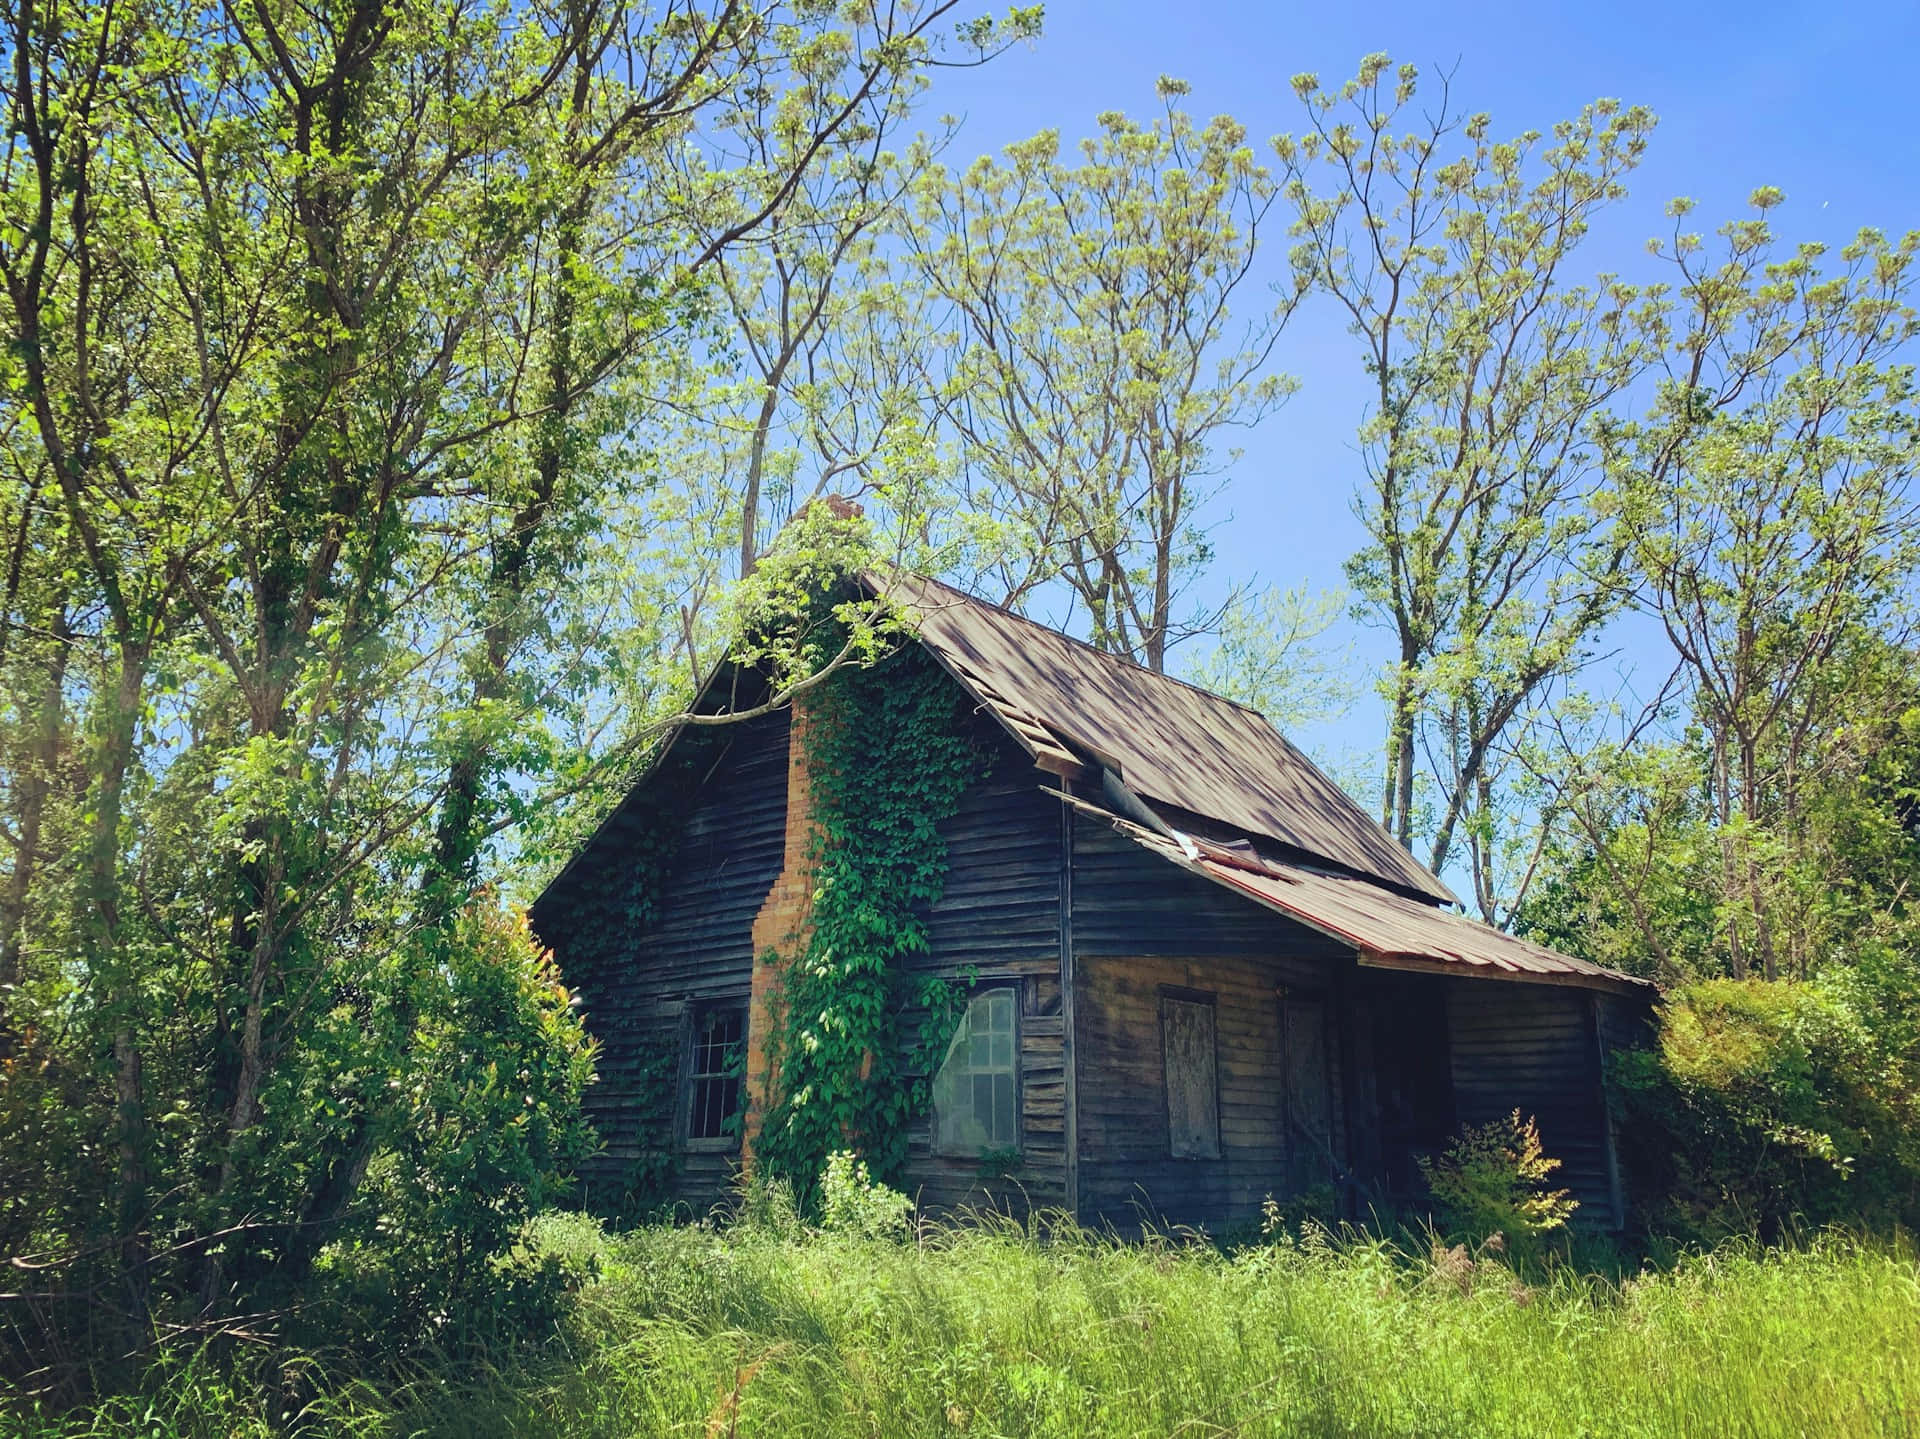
pixel 1763 1106
pixel 1492 1180
pixel 851 1203
pixel 422 1107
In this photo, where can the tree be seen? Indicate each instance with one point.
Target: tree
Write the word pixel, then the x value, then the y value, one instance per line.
pixel 1775 527
pixel 1492 556
pixel 1269 655
pixel 1098 359
pixel 332 331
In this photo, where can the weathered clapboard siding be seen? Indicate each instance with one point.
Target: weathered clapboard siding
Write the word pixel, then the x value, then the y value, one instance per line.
pixel 1533 1048
pixel 1127 1172
pixel 699 948
pixel 1139 923
pixel 999 916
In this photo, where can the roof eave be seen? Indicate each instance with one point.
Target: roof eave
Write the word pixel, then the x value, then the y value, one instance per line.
pixel 1368 956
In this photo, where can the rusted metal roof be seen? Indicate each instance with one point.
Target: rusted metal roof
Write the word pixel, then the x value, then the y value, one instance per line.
pixel 1073 706
pixel 1386 930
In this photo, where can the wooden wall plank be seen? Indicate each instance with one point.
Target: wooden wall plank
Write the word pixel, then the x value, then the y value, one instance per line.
pixel 699 949
pixel 1128 1172
pixel 1532 1048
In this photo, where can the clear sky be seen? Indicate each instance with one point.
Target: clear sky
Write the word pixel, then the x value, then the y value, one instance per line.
pixel 1822 100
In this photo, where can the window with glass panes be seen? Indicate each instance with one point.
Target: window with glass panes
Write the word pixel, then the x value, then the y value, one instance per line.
pixel 713 1073
pixel 976 1096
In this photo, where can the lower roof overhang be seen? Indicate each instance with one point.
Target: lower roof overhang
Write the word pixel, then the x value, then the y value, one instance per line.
pixel 1384 929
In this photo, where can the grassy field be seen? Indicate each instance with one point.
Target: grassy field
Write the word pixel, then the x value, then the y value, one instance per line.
pixel 995 1332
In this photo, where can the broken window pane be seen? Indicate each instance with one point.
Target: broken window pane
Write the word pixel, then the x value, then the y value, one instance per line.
pixel 975 1095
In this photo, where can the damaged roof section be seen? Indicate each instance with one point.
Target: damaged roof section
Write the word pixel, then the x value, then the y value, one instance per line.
pixel 1077 709
pixel 1167 758
pixel 1385 930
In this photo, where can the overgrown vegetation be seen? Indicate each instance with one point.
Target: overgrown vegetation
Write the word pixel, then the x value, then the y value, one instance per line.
pixel 375 482
pixel 1495 1180
pixel 890 753
pixel 989 1329
pixel 1765 1107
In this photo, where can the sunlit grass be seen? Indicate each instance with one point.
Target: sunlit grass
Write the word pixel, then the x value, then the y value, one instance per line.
pixel 990 1330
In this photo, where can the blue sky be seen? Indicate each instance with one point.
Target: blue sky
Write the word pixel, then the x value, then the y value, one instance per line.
pixel 1818 99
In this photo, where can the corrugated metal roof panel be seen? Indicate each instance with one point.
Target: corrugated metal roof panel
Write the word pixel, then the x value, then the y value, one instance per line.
pixel 1385 929
pixel 1172 742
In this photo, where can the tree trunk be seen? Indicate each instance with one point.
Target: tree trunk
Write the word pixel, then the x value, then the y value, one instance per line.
pixel 100 925
pixel 756 467
pixel 35 785
pixel 1397 805
pixel 1756 889
pixel 1729 871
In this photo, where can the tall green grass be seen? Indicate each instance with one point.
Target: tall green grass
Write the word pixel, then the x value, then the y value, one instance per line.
pixel 991 1330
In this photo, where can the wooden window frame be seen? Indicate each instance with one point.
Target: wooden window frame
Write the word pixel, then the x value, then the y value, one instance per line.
pixel 691 1079
pixel 1014 991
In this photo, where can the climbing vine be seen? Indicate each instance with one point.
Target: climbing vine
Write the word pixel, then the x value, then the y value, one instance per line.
pixel 891 752
pixel 854 1037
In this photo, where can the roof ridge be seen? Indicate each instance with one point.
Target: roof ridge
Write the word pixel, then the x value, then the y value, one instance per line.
pixel 1127 660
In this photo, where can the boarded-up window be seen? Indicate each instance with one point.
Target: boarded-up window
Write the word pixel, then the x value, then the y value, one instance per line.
pixel 1193 1090
pixel 976 1094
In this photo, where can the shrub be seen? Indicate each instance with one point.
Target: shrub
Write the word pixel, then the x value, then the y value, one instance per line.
pixel 766 1205
pixel 851 1203
pixel 1493 1180
pixel 1766 1105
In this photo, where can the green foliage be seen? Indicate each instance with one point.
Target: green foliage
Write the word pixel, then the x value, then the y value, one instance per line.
pixel 1098 364
pixel 1775 1105
pixel 492 1092
pixel 1494 1180
pixel 334 339
pixel 1632 887
pixel 1641 879
pixel 798 616
pixel 1057 1332
pixel 1270 654
pixel 852 1203
pixel 890 754
pixel 1771 499
pixel 1491 550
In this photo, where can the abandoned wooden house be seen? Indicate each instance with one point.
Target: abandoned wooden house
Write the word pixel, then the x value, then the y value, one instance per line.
pixel 1198 974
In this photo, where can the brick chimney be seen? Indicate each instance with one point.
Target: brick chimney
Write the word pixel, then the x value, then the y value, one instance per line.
pixel 782 929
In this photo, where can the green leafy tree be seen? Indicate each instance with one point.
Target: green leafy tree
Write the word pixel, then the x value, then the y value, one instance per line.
pixel 1774 528
pixel 333 332
pixel 1099 361
pixel 1492 556
pixel 1270 653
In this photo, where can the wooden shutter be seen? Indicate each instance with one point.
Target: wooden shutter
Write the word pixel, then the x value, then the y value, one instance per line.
pixel 1193 1091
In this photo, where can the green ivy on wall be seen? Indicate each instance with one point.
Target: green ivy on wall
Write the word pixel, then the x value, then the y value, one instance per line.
pixel 890 754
